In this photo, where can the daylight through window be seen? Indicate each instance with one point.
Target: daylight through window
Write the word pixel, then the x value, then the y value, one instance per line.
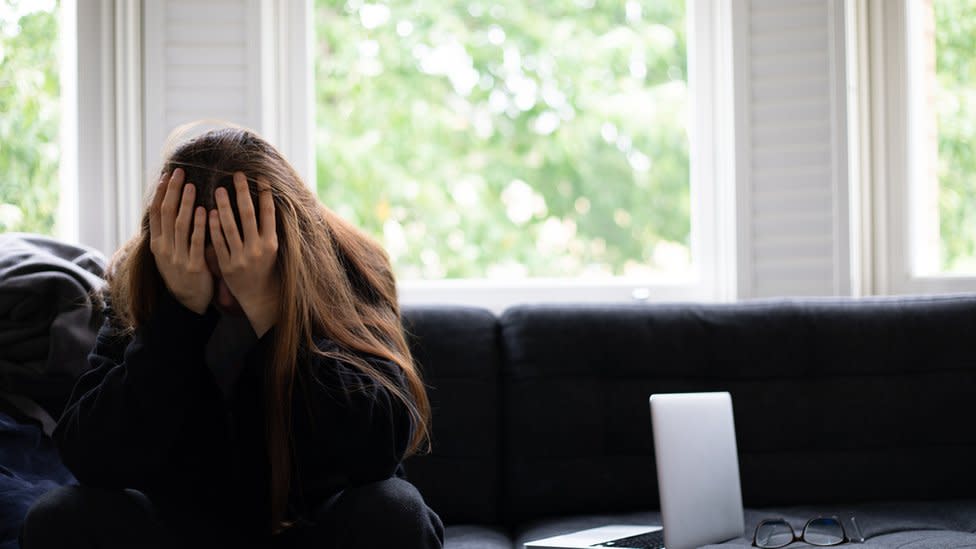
pixel 508 139
pixel 30 124
pixel 943 105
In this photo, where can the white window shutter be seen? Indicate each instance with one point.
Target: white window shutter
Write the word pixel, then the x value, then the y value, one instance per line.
pixel 202 60
pixel 791 149
pixel 241 61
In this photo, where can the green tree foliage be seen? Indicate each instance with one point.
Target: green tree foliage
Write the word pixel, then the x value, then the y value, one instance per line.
pixel 508 138
pixel 30 123
pixel 955 52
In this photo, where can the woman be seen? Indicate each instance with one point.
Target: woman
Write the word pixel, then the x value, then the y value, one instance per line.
pixel 252 386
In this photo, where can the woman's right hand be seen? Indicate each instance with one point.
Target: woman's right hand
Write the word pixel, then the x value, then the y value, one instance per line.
pixel 179 255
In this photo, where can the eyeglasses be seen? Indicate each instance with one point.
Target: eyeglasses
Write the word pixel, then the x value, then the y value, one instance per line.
pixel 821 531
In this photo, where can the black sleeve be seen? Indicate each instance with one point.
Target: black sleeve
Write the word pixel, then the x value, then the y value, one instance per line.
pixel 367 424
pixel 126 412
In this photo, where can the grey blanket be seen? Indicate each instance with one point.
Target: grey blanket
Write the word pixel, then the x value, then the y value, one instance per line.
pixel 48 318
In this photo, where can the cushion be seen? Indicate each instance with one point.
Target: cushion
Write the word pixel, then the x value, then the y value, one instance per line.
pixel 904 524
pixel 915 524
pixel 858 400
pixel 476 537
pixel 457 350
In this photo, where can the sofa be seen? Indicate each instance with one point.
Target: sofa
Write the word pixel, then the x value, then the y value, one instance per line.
pixel 541 422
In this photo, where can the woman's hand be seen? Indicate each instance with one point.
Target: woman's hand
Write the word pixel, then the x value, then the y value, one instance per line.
pixel 248 266
pixel 179 257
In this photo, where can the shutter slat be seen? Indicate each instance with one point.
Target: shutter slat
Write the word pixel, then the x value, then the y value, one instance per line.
pixel 201 60
pixel 792 201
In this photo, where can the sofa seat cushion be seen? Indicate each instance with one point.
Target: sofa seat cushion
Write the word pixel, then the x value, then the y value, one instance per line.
pixel 476 537
pixel 908 524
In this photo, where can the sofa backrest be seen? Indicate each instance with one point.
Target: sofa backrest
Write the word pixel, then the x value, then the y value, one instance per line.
pixel 458 352
pixel 835 400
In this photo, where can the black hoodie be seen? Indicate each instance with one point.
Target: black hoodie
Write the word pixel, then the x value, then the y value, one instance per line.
pixel 151 415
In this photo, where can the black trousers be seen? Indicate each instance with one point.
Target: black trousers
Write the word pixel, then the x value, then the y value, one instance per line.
pixel 390 513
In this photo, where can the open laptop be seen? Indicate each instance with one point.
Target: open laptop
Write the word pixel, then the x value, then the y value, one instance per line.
pixel 697 478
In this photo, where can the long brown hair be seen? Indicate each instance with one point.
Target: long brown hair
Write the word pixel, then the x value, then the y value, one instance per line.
pixel 336 282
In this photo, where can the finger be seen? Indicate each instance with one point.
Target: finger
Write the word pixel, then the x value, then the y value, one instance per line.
pixel 246 208
pixel 197 240
pixel 157 201
pixel 266 202
pixel 182 229
pixel 167 210
pixel 217 239
pixel 227 223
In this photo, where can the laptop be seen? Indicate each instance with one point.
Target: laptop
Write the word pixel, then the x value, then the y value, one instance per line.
pixel 697 478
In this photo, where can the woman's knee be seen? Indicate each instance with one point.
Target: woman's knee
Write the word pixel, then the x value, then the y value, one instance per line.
pixel 65 513
pixel 387 512
pixel 392 497
pixel 56 513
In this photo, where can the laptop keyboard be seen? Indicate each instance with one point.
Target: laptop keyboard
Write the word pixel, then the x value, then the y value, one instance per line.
pixel 650 540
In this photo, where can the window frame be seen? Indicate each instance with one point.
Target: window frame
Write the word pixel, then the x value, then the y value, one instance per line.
pixel 105 159
pixel 102 165
pixel 886 243
pixel 711 154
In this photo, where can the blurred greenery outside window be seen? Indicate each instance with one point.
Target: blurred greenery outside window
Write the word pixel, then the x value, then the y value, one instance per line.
pixel 30 120
pixel 509 139
pixel 949 101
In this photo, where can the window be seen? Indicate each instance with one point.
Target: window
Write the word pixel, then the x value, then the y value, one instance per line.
pixel 942 103
pixel 29 127
pixel 913 115
pixel 509 141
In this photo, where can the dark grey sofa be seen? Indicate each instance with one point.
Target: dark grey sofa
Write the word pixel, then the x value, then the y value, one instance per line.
pixel 541 421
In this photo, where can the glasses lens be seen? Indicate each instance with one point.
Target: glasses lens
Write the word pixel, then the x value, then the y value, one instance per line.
pixel 773 533
pixel 823 531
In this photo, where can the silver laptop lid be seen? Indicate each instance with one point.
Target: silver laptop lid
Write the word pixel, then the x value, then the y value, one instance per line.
pixel 697 468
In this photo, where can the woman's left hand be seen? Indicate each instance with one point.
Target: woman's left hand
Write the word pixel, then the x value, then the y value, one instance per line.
pixel 248 266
